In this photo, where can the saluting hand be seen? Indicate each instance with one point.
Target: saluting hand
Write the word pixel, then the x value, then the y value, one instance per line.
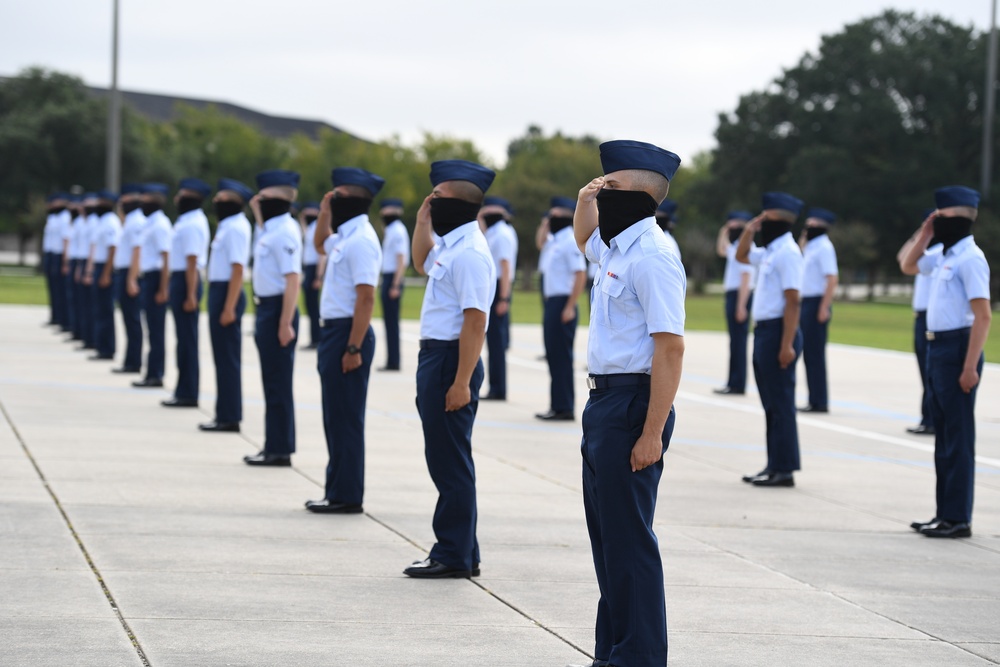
pixel 424 212
pixel 458 397
pixel 754 225
pixel 647 450
pixel 588 193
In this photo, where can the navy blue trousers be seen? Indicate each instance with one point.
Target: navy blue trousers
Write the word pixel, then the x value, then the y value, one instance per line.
pixel 390 316
pixel 954 427
pixel 448 450
pixel 496 346
pixel 920 347
pixel 345 396
pixel 311 297
pixel 86 308
pixel 156 324
pixel 276 367
pixel 131 309
pixel 776 387
pixel 559 337
pixel 814 351
pixel 186 328
pixel 46 267
pixel 737 380
pixel 69 297
pixel 58 290
pixel 631 625
pixel 227 351
pixel 103 305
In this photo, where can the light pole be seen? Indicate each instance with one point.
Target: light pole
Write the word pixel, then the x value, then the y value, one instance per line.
pixel 113 167
pixel 989 109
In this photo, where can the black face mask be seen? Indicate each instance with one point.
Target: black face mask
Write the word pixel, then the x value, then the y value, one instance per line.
pixel 559 222
pixel 492 219
pixel 57 210
pixel 735 234
pixel 343 209
pixel 617 210
pixel 772 229
pixel 448 214
pixel 227 209
pixel 128 207
pixel 663 222
pixel 89 210
pixel 187 204
pixel 389 219
pixel 310 219
pixel 101 209
pixel 950 231
pixel 814 233
pixel 150 207
pixel 272 208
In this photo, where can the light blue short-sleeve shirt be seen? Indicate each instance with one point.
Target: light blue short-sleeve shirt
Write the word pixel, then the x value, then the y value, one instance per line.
pixel 276 254
pixel 231 245
pixel 820 262
pixel 957 276
pixel 309 255
pixel 131 237
pixel 156 240
pixel 734 272
pixel 638 291
pixel 922 283
pixel 354 257
pixel 395 242
pixel 564 261
pixel 190 239
pixel 106 235
pixel 779 268
pixel 460 275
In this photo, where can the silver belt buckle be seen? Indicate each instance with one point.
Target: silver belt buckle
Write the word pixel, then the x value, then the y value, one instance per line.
pixel 929 335
pixel 591 382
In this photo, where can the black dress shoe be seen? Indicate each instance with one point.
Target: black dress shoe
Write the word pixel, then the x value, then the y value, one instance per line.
pixel 148 382
pixel 774 479
pixel 727 391
pixel 330 507
pixel 920 525
pixel 921 429
pixel 431 569
pixel 179 403
pixel 388 368
pixel 220 427
pixel 125 370
pixel 947 529
pixel 100 357
pixel 492 397
pixel 814 408
pixel 264 459
pixel 553 416
pixel 763 473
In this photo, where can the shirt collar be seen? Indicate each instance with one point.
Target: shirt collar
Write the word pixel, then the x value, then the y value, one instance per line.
pixel 782 240
pixel 354 224
pixel 628 236
pixel 564 231
pixel 459 233
pixel 276 222
pixel 960 247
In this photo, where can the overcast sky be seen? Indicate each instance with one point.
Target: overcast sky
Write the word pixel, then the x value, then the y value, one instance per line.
pixel 653 70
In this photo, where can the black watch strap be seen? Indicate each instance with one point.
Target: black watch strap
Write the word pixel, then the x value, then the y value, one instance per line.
pixel 353 349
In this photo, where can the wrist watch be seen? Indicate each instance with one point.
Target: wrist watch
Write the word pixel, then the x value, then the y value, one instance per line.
pixel 353 349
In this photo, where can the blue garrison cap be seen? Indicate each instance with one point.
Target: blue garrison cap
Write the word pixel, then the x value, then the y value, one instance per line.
pixel 462 170
pixel 89 195
pixel 563 202
pixel 156 189
pixel 273 177
pixel 391 201
pixel 746 216
pixel 310 204
pixel 355 176
pixel 242 189
pixel 195 185
pixel 956 195
pixel 499 201
pixel 79 198
pixel 627 154
pixel 829 217
pixel 107 194
pixel 781 200
pixel 668 208
pixel 132 189
pixel 57 195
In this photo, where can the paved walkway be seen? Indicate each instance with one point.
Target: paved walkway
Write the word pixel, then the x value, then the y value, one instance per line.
pixel 127 537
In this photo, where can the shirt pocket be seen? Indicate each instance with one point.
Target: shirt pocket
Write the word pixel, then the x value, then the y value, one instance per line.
pixel 437 273
pixel 614 299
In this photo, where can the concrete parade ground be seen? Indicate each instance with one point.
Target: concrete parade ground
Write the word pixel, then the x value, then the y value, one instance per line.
pixel 128 537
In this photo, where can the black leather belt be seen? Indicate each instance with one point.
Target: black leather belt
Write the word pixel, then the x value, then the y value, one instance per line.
pixel 618 380
pixel 336 320
pixel 944 335
pixel 431 344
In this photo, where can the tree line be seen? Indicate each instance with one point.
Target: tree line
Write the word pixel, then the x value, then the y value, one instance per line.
pixel 885 111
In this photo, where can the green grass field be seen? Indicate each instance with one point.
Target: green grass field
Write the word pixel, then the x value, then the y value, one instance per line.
pixel 882 325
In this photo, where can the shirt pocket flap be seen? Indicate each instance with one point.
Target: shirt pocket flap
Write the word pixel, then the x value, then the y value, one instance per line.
pixel 613 288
